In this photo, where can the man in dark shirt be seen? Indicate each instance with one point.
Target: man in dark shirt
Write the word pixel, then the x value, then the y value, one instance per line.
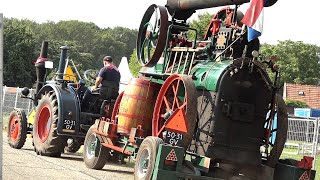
pixel 108 79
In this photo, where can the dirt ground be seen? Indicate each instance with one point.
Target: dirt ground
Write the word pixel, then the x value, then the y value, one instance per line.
pixel 26 164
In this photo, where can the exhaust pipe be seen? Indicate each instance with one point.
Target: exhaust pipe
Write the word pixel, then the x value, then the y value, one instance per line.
pixel 62 62
pixel 41 71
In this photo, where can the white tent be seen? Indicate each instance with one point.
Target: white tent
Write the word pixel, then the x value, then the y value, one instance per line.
pixel 125 73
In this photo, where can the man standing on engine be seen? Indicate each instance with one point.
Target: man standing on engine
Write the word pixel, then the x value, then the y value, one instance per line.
pixel 108 79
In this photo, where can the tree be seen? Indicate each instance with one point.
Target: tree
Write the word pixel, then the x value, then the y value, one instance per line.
pixel 201 25
pixel 296 103
pixel 134 65
pixel 87 43
pixel 19 54
pixel 299 62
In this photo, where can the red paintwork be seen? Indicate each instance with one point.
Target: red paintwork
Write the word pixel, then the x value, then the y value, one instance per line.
pixel 116 148
pixel 14 127
pixel 305 163
pixel 177 122
pixel 116 108
pixel 42 125
pixel 105 134
pixel 171 85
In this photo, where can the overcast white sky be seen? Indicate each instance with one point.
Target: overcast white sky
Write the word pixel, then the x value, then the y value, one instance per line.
pixel 287 19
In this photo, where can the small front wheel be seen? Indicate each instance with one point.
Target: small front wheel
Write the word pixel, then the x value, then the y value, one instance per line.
pixel 146 158
pixel 95 155
pixel 17 128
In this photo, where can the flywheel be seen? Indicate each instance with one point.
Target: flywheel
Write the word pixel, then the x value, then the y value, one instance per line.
pixel 152 34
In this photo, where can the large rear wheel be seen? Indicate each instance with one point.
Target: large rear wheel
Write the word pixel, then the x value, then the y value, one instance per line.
pixel 95 155
pixel 17 128
pixel 45 137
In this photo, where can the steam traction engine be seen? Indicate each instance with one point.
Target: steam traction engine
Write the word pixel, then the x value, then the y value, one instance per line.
pixel 200 109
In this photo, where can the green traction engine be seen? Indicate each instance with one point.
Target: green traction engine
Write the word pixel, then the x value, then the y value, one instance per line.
pixel 200 109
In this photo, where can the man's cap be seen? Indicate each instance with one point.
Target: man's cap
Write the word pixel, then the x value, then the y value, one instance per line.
pixel 107 58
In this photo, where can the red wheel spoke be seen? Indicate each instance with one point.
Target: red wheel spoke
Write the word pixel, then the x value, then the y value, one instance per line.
pixel 183 105
pixel 167 103
pixel 174 97
pixel 176 93
pixel 160 130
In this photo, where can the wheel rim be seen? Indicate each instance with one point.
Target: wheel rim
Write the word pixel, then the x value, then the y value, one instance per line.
pixel 91 146
pixel 44 123
pixel 14 127
pixel 143 163
pixel 116 108
pixel 173 95
pixel 152 35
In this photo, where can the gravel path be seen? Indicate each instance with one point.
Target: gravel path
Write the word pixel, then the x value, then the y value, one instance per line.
pixel 25 164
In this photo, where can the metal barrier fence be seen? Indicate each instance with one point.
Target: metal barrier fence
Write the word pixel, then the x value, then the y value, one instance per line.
pixel 11 99
pixel 302 138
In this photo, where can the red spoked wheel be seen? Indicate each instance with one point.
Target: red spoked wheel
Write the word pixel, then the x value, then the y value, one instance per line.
pixel 116 108
pixel 177 93
pixel 44 123
pixel 17 132
pixel 152 34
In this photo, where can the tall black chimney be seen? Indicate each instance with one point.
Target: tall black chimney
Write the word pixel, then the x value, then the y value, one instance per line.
pixel 41 71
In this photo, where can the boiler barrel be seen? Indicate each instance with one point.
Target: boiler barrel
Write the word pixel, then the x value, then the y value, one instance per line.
pixel 186 5
pixel 136 106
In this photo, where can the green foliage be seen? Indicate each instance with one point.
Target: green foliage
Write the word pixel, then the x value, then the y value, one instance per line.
pixel 87 43
pixel 134 65
pixel 19 46
pixel 296 103
pixel 201 25
pixel 299 62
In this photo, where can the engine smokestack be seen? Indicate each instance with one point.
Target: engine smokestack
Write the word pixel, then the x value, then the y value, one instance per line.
pixel 41 71
pixel 62 62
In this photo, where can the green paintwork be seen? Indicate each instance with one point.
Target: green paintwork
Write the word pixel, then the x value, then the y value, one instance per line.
pixel 162 171
pixel 163 152
pixel 207 73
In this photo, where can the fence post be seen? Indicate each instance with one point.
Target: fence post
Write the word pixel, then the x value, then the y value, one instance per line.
pixel 307 131
pixel 4 94
pixel 15 102
pixel 1 83
pixel 29 103
pixel 315 142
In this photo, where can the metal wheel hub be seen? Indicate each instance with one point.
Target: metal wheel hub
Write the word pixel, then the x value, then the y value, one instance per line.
pixel 14 128
pixel 143 163
pixel 92 146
